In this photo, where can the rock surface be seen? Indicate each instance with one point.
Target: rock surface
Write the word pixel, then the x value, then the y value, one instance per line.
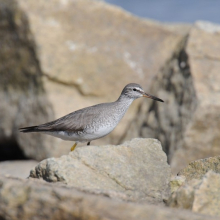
pixel 35 200
pixel 22 95
pixel 201 136
pixel 136 170
pixel 174 84
pixel 201 196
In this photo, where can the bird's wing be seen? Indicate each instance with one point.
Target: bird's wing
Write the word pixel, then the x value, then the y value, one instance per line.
pixel 75 121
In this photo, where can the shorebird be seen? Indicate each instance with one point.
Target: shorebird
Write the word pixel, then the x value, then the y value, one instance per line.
pixel 94 122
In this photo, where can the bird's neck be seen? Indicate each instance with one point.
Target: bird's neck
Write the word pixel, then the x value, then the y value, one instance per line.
pixel 124 101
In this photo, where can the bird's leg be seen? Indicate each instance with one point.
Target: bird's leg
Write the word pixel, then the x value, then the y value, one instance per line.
pixel 88 143
pixel 73 147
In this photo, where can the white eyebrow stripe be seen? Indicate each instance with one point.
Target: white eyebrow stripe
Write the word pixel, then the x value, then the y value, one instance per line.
pixel 138 89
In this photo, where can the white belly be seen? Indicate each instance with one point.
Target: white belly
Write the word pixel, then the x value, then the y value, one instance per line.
pixel 82 137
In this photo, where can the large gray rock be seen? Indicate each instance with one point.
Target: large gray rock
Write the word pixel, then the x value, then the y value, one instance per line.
pixel 199 195
pixel 136 170
pixel 22 95
pixel 28 199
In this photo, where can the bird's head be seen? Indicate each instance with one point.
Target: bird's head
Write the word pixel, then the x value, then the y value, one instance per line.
pixel 134 91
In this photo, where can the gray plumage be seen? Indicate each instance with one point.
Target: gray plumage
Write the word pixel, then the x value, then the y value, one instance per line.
pixel 93 122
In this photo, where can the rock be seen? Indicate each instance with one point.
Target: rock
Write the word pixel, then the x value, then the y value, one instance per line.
pixel 20 169
pixel 22 95
pixel 202 196
pixel 197 169
pixel 201 136
pixel 188 124
pixel 135 171
pixel 89 45
pixel 183 197
pixel 207 197
pixel 37 200
pixel 166 122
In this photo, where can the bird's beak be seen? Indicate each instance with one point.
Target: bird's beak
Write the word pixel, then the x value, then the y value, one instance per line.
pixel 152 97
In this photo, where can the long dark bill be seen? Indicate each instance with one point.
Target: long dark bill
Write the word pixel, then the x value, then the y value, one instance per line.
pixel 152 97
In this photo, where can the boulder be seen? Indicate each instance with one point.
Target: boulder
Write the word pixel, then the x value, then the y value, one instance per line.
pixel 135 171
pixel 199 195
pixel 22 95
pixel 28 199
pixel 89 50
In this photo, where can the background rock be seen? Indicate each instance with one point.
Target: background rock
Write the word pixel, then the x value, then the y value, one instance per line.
pixel 174 84
pixel 33 199
pixel 201 137
pixel 134 171
pixel 22 95
pixel 201 196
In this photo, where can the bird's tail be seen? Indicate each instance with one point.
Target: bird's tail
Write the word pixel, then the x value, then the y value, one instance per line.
pixel 29 129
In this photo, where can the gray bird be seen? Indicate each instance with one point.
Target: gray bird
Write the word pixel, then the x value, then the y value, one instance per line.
pixel 93 122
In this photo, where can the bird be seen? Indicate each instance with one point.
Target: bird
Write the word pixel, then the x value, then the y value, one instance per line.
pixel 94 122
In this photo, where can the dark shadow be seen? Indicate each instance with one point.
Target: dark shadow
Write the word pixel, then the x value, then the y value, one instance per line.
pixel 9 150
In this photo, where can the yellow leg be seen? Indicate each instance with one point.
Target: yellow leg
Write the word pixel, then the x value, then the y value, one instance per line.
pixel 73 147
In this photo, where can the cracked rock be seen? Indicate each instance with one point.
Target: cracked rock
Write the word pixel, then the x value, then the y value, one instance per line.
pixel 134 171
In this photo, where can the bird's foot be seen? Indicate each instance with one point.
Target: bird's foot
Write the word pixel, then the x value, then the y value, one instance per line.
pixel 73 147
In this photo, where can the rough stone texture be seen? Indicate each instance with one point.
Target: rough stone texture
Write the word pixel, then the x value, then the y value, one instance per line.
pixel 197 169
pixel 184 196
pixel 201 196
pixel 22 96
pixel 136 170
pixel 188 123
pixel 20 169
pixel 201 137
pixel 35 200
pixel 92 50
pixel 166 122
pixel 207 197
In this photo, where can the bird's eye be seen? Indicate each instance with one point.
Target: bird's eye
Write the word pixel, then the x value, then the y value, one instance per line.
pixel 134 89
